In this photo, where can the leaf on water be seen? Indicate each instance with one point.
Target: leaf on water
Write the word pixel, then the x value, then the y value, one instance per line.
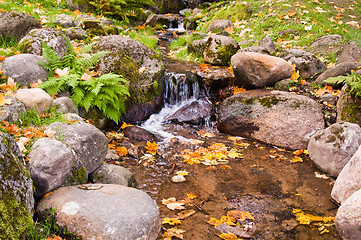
pixel 205 134
pixel 121 151
pixel 234 154
pixel 173 204
pixel 171 221
pixel 298 152
pixel 152 147
pixel 4 101
pixel 191 195
pixel 185 214
pixel 173 232
pixel 240 215
pixel 183 173
pixel 223 219
pixel 61 72
pixel 307 219
pixel 228 236
pixel 226 167
pixel 297 159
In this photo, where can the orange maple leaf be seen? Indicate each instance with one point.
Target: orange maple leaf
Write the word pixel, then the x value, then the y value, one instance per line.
pixel 237 90
pixel 77 12
pixel 322 91
pixel 229 29
pixel 2 58
pixel 152 147
pixel 204 67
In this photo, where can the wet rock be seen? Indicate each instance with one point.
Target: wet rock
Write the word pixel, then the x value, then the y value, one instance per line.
pixel 348 218
pixel 24 69
pixel 348 107
pixel 16 24
pixel 53 164
pixel 12 112
pixel 65 105
pixel 139 134
pixel 190 23
pixel 306 63
pixel 333 147
pixel 341 69
pixel 162 19
pixel 16 195
pixel 32 42
pixel 34 98
pixel 125 213
pixel 219 25
pixel 141 111
pixel 197 46
pixel 219 50
pixel 255 70
pixel 348 181
pixel 216 78
pixel 139 64
pixel 65 21
pixel 279 118
pixel 196 112
pixel 183 12
pixel 75 33
pixel 351 52
pixel 113 174
pixel 89 143
pixel 327 40
pixel 268 44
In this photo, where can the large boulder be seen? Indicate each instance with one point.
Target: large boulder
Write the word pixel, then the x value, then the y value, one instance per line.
pixel 65 105
pixel 113 174
pixel 65 21
pixel 341 69
pixel 24 68
pixel 274 117
pixel 89 143
pixel 306 63
pixel 16 24
pixel 104 211
pixel 13 112
pixel 327 40
pixel 333 147
pixel 53 164
pixel 34 98
pixel 351 52
pixel 32 42
pixel 219 49
pixel 16 192
pixel 139 134
pixel 348 107
pixel 197 46
pixel 255 70
pixel 348 218
pixel 137 63
pixel 348 181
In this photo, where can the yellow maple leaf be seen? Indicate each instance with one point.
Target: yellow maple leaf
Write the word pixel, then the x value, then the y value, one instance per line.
pixel 237 90
pixel 228 236
pixel 152 147
pixel 298 152
pixel 239 215
pixel 183 173
pixel 121 151
pixel 297 159
pixel 234 154
pixel 190 161
pixel 124 125
pixel 171 221
pixel 296 74
pixel 324 90
pixel 191 195
pixel 307 219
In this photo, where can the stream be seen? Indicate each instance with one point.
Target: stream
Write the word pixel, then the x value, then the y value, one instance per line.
pixel 261 180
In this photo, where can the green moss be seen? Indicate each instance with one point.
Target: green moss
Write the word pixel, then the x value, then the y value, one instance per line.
pixel 16 221
pixel 78 175
pixel 94 27
pixel 269 101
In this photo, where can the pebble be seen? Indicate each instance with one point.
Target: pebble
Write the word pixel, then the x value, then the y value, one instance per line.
pixel 178 179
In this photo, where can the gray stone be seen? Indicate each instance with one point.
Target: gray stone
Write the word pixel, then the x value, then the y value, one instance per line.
pixel 24 69
pixel 329 98
pixel 32 42
pixel 216 78
pixel 268 44
pixel 88 142
pixel 113 174
pixel 16 24
pixel 306 63
pixel 65 105
pixel 65 21
pixel 351 52
pixel 219 25
pixel 162 19
pixel 341 69
pixel 71 117
pixel 12 112
pixel 139 134
pixel 333 147
pixel 197 46
pixel 94 27
pixel 53 164
pixel 75 33
pixel 275 117
pixel 288 33
pixel 327 40
pixel 348 218
pixel 16 191
pixel 34 98
pixel 219 49
pixel 111 212
pixel 348 181
pixel 82 6
pixel 255 70
pixel 256 49
pixel 348 107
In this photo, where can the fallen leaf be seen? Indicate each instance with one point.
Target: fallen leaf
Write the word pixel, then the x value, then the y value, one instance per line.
pixel 185 214
pixel 204 67
pixel 22 142
pixel 124 125
pixel 291 13
pixel 322 176
pixel 191 195
pixel 4 101
pixel 173 232
pixel 86 77
pixel 307 219
pixel 297 159
pixel 37 84
pixel 226 167
pixel 152 147
pixel 296 74
pixel 229 30
pixel 61 72
pixel 237 90
pixel 196 141
pixel 205 134
pixel 239 215
pixel 49 133
pixel 54 237
pixel 171 221
pixel 142 69
pixel 298 152
pixel 183 173
pixel 121 151
pixel 2 58
pixel 324 90
pixel 173 204
pixel 228 236
pixel 77 12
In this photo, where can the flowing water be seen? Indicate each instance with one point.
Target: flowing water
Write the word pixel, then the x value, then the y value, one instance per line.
pixel 262 180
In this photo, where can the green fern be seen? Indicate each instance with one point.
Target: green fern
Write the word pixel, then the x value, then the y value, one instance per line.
pixel 353 80
pixel 107 92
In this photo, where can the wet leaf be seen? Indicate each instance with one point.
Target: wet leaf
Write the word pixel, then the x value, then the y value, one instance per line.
pixel 237 90
pixel 205 134
pixel 183 173
pixel 298 152
pixel 228 236
pixel 191 195
pixel 171 221
pixel 322 176
pixel 223 219
pixel 173 204
pixel 185 214
pixel 124 125
pixel 173 232
pixel 239 215
pixel 204 67
pixel 234 154
pixel 307 219
pixel 297 159
pixel 121 151
pixel 152 147
pixel 226 167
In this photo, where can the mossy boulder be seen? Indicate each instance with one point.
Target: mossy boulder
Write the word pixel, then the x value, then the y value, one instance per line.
pixel 275 117
pixel 32 42
pixel 16 24
pixel 137 63
pixel 348 107
pixel 16 192
pixel 94 27
pixel 81 5
pixel 219 50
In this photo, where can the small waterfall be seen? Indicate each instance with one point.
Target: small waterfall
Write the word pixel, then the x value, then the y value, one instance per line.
pixel 179 92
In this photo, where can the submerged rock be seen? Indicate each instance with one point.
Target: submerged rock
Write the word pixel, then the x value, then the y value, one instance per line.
pixel 139 134
pixel 104 211
pixel 333 147
pixel 279 118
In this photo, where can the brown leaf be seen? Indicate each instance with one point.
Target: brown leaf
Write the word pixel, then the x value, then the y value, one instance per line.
pixel 173 232
pixel 173 204
pixel 185 214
